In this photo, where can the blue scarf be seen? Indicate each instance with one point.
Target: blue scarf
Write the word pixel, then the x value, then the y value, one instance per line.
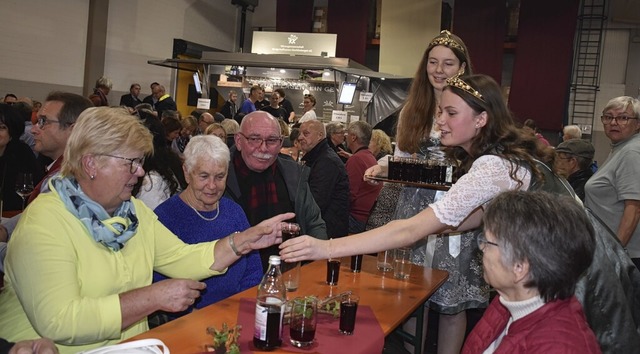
pixel 112 231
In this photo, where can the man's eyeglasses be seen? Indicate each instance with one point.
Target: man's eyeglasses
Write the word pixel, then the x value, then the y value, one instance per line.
pixel 134 163
pixel 256 142
pixel 621 120
pixel 42 121
pixel 483 242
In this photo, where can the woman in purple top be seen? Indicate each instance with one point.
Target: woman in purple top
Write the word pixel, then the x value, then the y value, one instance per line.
pixel 200 214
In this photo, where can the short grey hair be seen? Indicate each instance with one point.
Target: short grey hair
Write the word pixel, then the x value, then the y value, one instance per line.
pixel 573 131
pixel 205 148
pixel 623 102
pixel 230 126
pixel 333 128
pixel 104 82
pixel 362 130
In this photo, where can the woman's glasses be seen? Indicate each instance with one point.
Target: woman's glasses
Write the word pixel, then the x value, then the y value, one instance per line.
pixel 134 163
pixel 483 242
pixel 621 120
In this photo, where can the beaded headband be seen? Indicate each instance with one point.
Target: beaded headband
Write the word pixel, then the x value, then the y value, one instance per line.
pixel 446 40
pixel 456 81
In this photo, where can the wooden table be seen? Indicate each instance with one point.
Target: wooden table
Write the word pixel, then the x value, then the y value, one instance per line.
pixel 391 300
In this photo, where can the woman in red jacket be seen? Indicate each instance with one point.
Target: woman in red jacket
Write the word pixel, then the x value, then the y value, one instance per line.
pixel 534 261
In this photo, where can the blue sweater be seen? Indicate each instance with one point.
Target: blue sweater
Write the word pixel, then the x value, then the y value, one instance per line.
pixel 245 273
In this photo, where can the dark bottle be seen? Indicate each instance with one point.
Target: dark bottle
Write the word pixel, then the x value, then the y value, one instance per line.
pixel 267 333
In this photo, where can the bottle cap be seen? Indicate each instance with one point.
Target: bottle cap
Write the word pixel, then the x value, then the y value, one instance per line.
pixel 275 260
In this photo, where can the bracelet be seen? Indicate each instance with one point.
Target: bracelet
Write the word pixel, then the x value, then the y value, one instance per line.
pixel 330 248
pixel 233 244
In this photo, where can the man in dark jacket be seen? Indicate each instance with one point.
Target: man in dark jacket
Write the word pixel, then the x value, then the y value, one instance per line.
pixel 328 178
pixel 131 99
pixel 266 185
pixel 573 161
pixel 164 101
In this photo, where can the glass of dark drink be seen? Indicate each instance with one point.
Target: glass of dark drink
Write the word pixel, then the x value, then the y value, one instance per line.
pixel 333 271
pixel 356 263
pixel 348 309
pixel 302 328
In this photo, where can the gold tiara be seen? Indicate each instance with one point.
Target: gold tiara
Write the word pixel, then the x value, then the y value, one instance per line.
pixel 446 40
pixel 456 81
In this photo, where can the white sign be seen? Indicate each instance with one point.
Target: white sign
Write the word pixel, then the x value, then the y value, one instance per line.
pixel 339 116
pixel 366 96
pixel 203 103
pixel 354 118
pixel 312 44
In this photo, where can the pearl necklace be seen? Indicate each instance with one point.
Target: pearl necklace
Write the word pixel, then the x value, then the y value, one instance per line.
pixel 204 218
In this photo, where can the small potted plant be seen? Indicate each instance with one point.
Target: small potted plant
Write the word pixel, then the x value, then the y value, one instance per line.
pixel 225 340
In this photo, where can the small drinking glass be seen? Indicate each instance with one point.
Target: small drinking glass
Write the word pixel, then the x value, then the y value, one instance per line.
pixel 402 263
pixel 356 263
pixel 333 271
pixel 290 271
pixel 24 186
pixel 385 260
pixel 302 328
pixel 348 309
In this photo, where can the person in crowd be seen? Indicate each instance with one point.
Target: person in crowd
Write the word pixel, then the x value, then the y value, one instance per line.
pixel 274 107
pixel 265 184
pixel 131 99
pixel 573 162
pixel 204 121
pixel 217 129
pixel 201 213
pixel 218 117
pixel 336 137
pixel 380 144
pixel 308 111
pixel 16 157
pixel 230 106
pixel 163 102
pixel 25 111
pixel 531 127
pixel 613 193
pixel 53 128
pixel 571 132
pixel 101 91
pixel 286 105
pixel 495 156
pixel 10 99
pixel 232 128
pixel 163 175
pixel 327 179
pixel 189 128
pixel 293 150
pixel 33 346
pixel 86 250
pixel 261 102
pixel 535 310
pixel 151 99
pixel 172 128
pixel 249 105
pixel 34 114
pixel 362 195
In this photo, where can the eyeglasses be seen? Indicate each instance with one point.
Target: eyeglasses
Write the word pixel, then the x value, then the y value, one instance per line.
pixel 483 242
pixel 42 121
pixel 621 120
pixel 256 142
pixel 135 163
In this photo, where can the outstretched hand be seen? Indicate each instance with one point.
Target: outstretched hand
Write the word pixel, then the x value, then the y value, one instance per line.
pixel 266 233
pixel 304 248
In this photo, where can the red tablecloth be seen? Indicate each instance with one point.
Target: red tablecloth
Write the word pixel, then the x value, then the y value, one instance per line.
pixel 367 336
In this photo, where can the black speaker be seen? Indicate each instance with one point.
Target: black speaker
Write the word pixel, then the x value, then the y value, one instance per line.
pixel 192 96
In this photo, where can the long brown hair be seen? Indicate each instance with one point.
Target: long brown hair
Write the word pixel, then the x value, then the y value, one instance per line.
pixel 416 117
pixel 499 136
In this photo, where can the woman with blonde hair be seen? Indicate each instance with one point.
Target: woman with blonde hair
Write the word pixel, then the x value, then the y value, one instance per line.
pixel 81 259
pixel 380 144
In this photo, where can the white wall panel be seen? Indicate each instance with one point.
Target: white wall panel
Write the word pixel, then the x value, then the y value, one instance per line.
pixel 43 41
pixel 614 57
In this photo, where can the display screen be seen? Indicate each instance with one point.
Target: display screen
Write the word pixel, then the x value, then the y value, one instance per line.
pixel 196 82
pixel 347 91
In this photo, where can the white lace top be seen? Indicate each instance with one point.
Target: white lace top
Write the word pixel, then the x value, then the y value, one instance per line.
pixel 488 177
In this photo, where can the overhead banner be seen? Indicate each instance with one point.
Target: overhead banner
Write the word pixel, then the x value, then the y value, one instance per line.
pixel 311 44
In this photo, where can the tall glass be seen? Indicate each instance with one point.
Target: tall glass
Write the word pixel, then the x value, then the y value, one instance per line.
pixel 290 271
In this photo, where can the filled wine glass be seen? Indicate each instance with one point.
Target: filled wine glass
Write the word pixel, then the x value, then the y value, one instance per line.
pixel 24 186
